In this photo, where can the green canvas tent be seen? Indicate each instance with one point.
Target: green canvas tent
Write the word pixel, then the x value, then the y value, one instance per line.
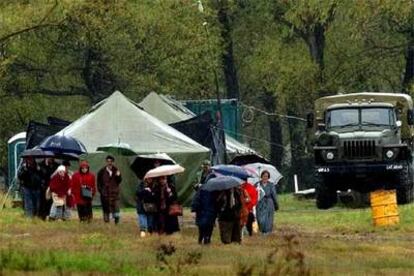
pixel 171 111
pixel 165 108
pixel 117 119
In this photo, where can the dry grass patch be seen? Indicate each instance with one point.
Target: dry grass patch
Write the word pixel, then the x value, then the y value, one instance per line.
pixel 306 241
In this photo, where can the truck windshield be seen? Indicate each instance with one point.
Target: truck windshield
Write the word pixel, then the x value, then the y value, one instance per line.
pixel 378 116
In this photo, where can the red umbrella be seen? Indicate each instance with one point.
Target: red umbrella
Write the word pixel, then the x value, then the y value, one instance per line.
pixel 252 192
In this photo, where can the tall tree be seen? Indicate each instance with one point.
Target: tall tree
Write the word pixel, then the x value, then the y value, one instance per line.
pixel 225 13
pixel 309 20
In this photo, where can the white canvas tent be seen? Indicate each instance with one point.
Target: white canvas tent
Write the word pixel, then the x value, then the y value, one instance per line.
pixel 118 119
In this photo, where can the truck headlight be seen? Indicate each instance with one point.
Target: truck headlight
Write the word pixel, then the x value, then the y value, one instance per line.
pixel 330 155
pixel 389 154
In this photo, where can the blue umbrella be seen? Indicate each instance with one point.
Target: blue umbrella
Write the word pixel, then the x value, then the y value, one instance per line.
pixel 36 153
pixel 63 144
pixel 231 170
pixel 221 183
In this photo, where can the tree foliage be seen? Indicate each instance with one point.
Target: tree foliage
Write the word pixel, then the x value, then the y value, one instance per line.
pixel 60 57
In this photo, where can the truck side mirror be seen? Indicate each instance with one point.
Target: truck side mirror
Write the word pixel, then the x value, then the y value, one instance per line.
pixel 309 120
pixel 399 123
pixel 410 117
pixel 321 127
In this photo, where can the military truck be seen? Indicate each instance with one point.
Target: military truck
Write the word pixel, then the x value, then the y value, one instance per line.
pixel 363 142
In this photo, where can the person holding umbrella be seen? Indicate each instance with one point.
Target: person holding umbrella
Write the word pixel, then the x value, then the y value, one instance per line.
pixel 166 197
pixel 204 206
pixel 109 180
pixel 229 204
pixel 168 208
pixel 31 180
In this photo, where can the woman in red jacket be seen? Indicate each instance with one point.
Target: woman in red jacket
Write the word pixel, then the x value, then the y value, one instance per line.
pixel 60 190
pixel 83 189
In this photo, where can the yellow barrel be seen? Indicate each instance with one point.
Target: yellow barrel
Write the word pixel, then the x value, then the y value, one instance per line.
pixel 384 207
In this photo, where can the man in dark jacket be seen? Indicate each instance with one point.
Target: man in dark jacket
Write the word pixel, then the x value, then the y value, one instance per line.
pixel 31 181
pixel 109 179
pixel 204 205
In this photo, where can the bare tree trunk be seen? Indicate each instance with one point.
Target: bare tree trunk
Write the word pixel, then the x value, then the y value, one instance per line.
pixel 97 76
pixel 229 66
pixel 409 67
pixel 316 44
pixel 275 129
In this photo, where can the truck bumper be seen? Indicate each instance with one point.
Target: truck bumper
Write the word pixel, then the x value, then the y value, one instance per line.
pixel 360 168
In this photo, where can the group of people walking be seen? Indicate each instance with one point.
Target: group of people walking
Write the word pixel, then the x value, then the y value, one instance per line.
pixel 52 190
pixel 235 209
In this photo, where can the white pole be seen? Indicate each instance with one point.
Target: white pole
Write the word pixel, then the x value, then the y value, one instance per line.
pixel 295 180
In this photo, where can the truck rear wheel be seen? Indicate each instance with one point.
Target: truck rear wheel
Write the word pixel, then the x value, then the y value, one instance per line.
pixel 326 197
pixel 405 186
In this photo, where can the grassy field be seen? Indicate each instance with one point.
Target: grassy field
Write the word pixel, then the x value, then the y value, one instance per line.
pixel 306 241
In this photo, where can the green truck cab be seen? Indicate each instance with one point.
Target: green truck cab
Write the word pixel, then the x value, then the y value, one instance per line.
pixel 363 142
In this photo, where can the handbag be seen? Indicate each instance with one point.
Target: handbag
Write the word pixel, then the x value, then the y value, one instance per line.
pixel 86 192
pixel 175 209
pixel 150 207
pixel 58 201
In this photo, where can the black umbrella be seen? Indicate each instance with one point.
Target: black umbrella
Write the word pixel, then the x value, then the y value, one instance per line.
pixel 244 159
pixel 221 183
pixel 63 144
pixel 141 164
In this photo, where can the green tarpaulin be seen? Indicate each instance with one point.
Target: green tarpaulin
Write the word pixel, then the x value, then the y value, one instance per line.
pixel 119 120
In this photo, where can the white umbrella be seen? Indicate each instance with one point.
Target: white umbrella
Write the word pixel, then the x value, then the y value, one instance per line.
pixel 258 168
pixel 164 170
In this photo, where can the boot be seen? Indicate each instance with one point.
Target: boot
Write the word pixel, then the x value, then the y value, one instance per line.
pixel 142 234
pixel 116 220
pixel 106 217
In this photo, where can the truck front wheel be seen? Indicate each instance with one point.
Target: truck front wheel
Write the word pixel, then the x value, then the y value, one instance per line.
pixel 405 186
pixel 326 196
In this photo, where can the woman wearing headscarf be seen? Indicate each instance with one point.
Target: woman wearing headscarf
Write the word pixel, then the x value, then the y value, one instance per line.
pixel 165 195
pixel 84 189
pixel 60 189
pixel 267 204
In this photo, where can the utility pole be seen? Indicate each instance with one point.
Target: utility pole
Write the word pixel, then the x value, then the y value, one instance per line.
pixel 219 113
